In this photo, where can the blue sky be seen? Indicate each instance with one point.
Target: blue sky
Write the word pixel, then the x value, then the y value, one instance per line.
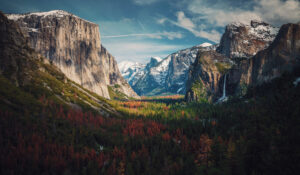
pixel 138 29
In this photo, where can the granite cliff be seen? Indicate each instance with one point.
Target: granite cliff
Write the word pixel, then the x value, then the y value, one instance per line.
pixel 283 55
pixel 27 77
pixel 205 74
pixel 74 46
pixel 245 40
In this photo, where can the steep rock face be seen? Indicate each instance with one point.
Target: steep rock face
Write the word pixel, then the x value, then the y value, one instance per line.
pixel 283 55
pixel 240 40
pixel 145 84
pixel 113 76
pixel 74 46
pixel 205 74
pixel 17 60
pixel 170 74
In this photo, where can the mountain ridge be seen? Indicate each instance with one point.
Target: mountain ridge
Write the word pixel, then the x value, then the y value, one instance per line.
pixel 169 74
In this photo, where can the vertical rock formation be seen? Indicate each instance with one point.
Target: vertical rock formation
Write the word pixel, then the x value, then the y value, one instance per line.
pixel 17 60
pixel 241 40
pixel 73 45
pixel 273 58
pixel 205 75
pixel 283 55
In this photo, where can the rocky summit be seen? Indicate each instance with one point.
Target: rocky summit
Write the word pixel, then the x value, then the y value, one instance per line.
pixel 74 46
pixel 245 40
pixel 282 56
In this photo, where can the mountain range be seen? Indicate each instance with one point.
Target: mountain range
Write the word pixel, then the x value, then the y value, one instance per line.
pixel 170 75
pixel 162 76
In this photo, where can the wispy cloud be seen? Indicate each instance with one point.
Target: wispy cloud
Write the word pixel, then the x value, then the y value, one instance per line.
pixel 140 51
pixel 145 2
pixel 160 35
pixel 188 24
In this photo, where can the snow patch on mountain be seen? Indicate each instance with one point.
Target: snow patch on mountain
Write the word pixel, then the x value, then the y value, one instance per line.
pixel 131 71
pixel 245 40
pixel 169 74
pixel 205 45
pixel 160 71
pixel 52 13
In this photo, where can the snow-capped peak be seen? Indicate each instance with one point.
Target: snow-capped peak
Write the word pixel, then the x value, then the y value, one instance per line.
pixel 52 13
pixel 205 45
pixel 158 59
pixel 125 65
pixel 56 13
pixel 131 71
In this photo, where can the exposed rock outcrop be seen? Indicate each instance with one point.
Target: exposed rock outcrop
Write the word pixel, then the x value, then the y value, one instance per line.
pixel 283 55
pixel 241 40
pixel 205 75
pixel 274 57
pixel 17 59
pixel 73 45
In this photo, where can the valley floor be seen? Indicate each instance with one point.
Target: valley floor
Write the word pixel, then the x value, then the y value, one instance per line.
pixel 258 134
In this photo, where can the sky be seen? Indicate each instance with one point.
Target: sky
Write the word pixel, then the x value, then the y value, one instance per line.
pixel 135 30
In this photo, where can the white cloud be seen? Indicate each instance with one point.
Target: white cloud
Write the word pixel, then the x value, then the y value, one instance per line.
pixel 219 15
pixel 144 2
pixel 159 35
pixel 198 31
pixel 184 21
pixel 276 12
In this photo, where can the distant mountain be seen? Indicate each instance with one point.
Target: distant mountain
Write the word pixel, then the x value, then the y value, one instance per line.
pixel 168 75
pixel 131 71
pixel 73 45
pixel 245 40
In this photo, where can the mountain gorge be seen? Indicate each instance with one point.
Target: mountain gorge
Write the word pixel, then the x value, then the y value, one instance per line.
pixel 175 73
pixel 66 109
pixel 74 46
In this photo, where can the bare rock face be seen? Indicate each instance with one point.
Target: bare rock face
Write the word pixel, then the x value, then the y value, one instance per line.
pixel 113 76
pixel 240 40
pixel 205 75
pixel 73 45
pixel 283 55
pixel 17 60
